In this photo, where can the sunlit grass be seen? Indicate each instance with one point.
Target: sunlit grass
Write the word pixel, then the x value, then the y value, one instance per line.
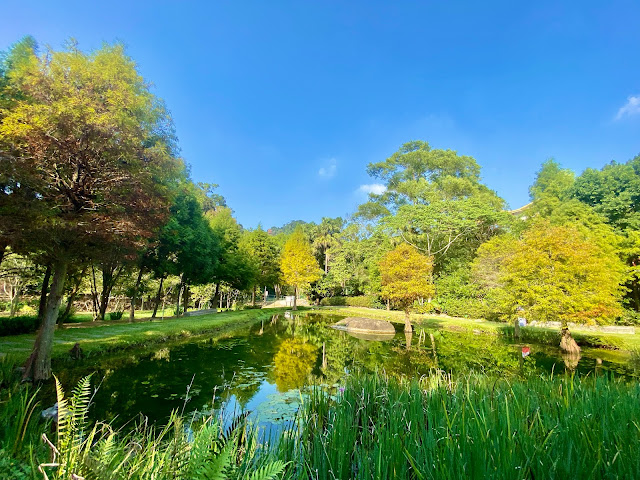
pixel 109 337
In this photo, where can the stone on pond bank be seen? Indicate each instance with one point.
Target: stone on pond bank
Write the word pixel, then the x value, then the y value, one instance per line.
pixel 365 325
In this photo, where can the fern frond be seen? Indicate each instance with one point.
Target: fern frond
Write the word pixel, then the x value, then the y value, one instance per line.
pixel 269 471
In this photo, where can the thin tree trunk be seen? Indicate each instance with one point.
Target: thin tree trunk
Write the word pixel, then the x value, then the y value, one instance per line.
pixel 407 322
pixel 253 297
pixel 15 298
pixel 94 293
pixel 43 293
pixel 326 262
pixel 132 311
pixel 157 300
pixel 186 299
pixel 38 365
pixel 214 301
pixel 179 296
pixel 295 298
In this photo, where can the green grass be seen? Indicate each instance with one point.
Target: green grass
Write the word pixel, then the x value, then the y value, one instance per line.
pixel 548 336
pixel 108 337
pixel 436 428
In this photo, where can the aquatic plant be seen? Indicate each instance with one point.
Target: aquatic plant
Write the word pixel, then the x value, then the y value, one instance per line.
pixel 435 427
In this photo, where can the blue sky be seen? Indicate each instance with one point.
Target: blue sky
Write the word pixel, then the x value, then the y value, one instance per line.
pixel 285 103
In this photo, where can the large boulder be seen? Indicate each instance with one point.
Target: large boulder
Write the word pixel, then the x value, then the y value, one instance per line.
pixel 365 326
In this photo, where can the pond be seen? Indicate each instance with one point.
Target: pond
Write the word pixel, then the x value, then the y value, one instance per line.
pixel 264 368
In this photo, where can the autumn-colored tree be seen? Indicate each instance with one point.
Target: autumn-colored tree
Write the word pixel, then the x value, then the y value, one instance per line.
pixel 406 275
pixel 553 273
pixel 87 155
pixel 299 266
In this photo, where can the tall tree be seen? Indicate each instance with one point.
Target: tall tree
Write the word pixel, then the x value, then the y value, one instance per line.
pixel 406 277
pixel 299 266
pixel 93 151
pixel 325 236
pixel 259 247
pixel 552 273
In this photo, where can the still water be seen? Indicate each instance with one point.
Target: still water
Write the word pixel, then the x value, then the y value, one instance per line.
pixel 264 368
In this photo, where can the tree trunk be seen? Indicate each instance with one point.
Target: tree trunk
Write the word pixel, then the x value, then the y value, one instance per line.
pixel 15 298
pixel 43 294
pixel 253 297
pixel 388 305
pixel 38 365
pixel 179 296
pixel 132 311
pixel 186 298
pixel 516 328
pixel 407 322
pixel 326 262
pixel 221 295
pixel 94 293
pixel 295 298
pixel 567 343
pixel 157 300
pixel 214 300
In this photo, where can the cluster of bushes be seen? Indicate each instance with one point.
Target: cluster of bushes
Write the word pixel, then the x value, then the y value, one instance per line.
pixel 367 301
pixel 18 325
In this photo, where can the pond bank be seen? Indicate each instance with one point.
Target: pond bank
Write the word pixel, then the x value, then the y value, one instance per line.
pixel 549 336
pixel 106 338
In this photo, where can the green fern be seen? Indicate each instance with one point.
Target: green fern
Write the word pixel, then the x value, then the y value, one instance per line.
pixel 269 471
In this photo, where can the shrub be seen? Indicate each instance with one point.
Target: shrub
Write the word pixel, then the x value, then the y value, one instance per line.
pixel 368 301
pixel 116 315
pixel 18 325
pixel 333 301
pixel 628 317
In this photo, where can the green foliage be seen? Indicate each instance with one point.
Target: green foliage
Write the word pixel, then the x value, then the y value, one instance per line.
pixel 613 192
pixel 18 325
pixel 262 254
pixel 473 427
pixel 195 450
pixel 116 315
pixel 367 301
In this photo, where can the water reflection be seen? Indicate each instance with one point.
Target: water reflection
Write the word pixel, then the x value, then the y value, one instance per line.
pixel 262 368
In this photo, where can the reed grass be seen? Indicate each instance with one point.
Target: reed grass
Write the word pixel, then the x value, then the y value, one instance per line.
pixel 551 428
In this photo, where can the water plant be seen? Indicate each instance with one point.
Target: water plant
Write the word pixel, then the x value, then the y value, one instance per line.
pixel 179 449
pixel 435 427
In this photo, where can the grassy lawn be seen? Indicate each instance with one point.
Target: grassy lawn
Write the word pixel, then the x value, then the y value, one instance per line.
pixel 108 337
pixel 616 341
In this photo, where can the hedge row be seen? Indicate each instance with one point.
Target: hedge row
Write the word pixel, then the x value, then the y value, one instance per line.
pixel 18 325
pixel 368 301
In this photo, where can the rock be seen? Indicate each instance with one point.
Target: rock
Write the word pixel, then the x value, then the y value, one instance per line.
pixel 365 326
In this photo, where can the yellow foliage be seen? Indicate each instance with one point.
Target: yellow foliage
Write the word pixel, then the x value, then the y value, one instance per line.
pixel 406 276
pixel 299 266
pixel 555 273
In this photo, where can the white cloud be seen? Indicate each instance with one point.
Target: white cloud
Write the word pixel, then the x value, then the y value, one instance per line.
pixel 376 188
pixel 329 170
pixel 632 107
